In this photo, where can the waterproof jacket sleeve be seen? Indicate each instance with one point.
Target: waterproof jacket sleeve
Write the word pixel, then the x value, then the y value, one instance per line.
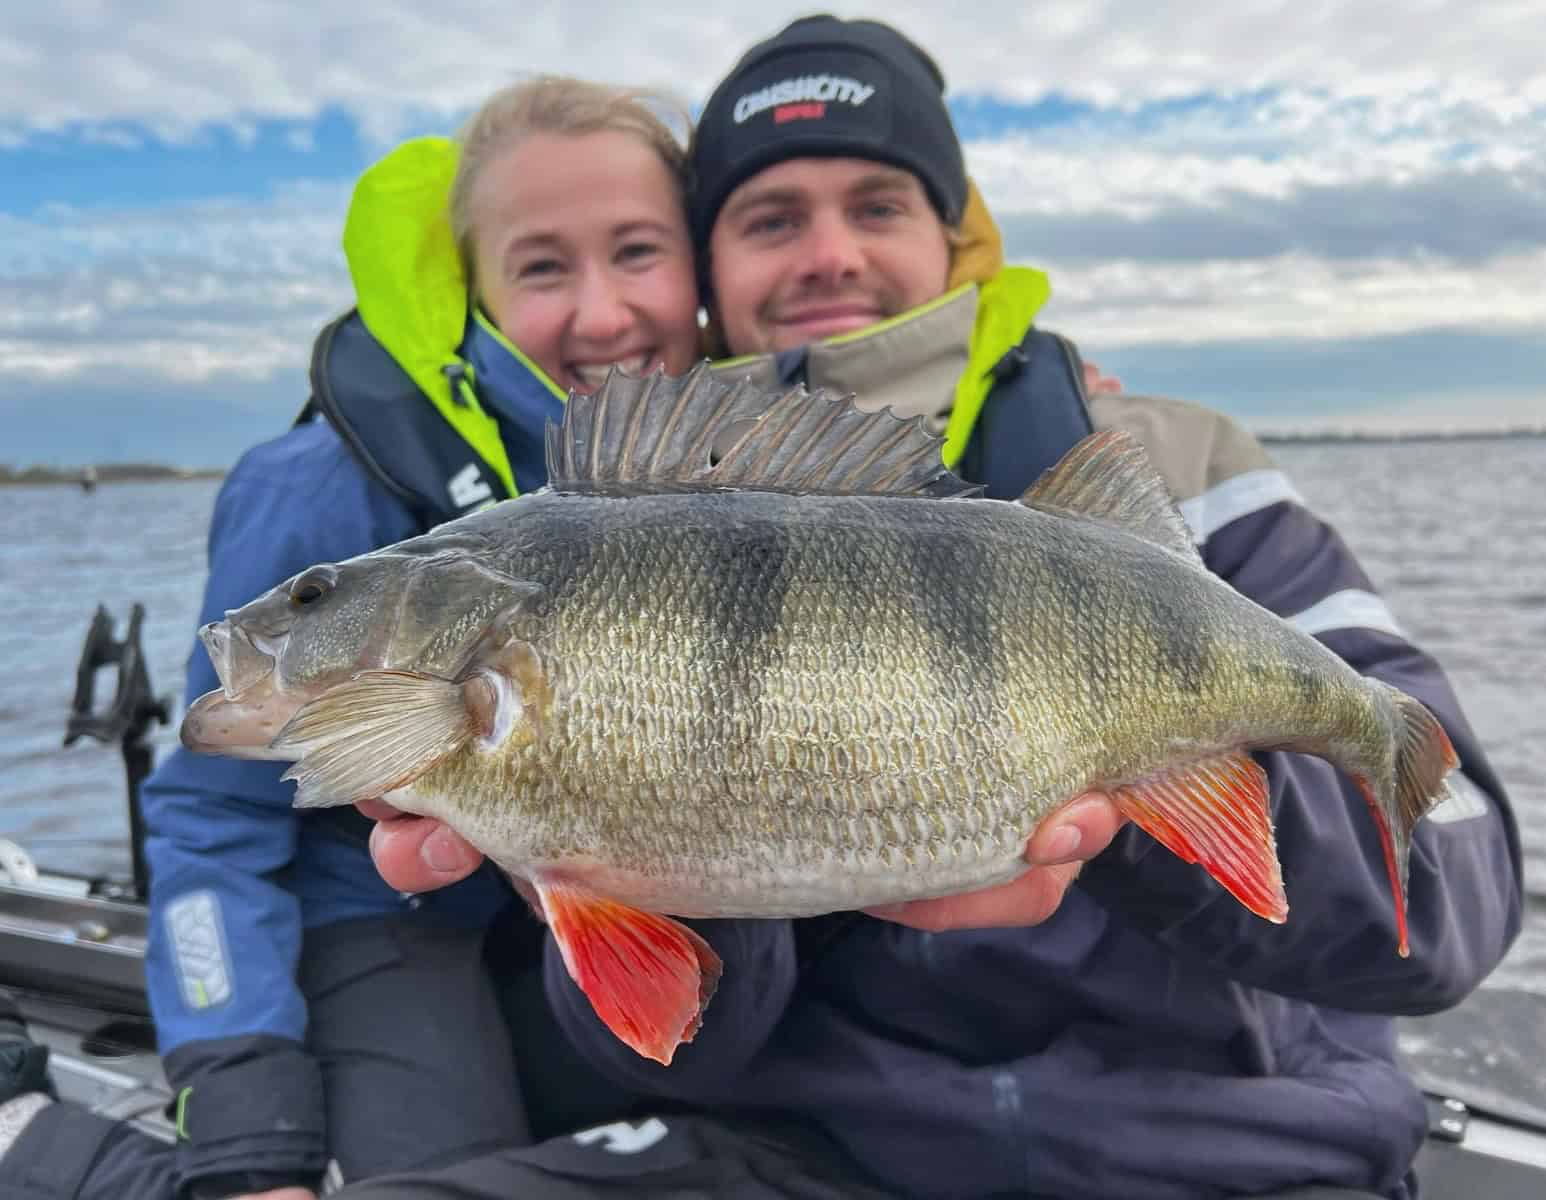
pixel 225 930
pixel 1339 944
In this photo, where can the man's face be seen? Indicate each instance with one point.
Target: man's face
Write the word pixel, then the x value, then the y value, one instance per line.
pixel 815 247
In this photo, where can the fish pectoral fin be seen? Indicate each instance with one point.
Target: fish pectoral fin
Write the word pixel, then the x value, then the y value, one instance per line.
pixel 648 977
pixel 1108 476
pixel 378 732
pixel 1215 813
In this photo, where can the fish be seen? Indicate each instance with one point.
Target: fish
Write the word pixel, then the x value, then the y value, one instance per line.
pixel 758 654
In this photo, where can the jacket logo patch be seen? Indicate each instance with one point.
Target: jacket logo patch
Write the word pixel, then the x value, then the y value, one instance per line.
pixel 467 488
pixel 623 1137
pixel 199 949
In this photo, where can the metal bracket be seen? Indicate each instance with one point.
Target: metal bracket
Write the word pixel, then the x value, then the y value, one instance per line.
pixel 1448 1119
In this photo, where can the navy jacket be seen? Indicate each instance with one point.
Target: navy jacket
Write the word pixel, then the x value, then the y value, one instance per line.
pixel 1153 1039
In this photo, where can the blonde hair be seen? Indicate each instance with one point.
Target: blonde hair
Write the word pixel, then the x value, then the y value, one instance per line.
pixel 563 105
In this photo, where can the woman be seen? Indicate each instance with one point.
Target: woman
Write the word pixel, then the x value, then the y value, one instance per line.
pixel 492 277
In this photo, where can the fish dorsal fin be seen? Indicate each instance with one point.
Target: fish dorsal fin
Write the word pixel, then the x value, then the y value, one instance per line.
pixel 658 433
pixel 645 433
pixel 1108 476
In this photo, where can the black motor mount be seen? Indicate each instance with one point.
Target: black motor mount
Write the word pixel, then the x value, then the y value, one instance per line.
pixel 126 720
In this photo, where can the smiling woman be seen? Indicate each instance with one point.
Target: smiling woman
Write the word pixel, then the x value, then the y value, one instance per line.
pixel 568 214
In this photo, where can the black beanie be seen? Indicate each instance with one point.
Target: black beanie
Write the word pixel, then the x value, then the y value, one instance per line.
pixel 824 87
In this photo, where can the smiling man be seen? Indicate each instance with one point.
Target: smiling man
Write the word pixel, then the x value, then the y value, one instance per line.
pixel 824 247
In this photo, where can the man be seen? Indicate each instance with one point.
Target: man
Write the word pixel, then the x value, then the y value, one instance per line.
pixel 845 247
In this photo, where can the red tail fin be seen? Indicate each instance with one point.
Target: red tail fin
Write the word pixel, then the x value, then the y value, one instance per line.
pixel 1423 757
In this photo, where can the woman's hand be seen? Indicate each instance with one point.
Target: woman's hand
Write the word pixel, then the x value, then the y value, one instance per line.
pixel 1094 381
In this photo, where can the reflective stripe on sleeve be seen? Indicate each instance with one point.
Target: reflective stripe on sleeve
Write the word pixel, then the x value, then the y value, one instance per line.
pixel 1349 609
pixel 1235 498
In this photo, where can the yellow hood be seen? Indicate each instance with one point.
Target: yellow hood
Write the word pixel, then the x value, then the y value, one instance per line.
pixel 409 286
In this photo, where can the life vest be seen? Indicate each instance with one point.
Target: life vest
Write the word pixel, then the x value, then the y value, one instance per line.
pixel 1034 412
pixel 392 430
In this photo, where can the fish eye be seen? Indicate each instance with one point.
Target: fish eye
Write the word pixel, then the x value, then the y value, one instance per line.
pixel 312 585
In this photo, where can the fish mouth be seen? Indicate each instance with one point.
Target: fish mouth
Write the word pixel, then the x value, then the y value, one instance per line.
pixel 240 659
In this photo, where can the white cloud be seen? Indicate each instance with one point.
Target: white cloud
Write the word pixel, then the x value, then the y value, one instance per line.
pixel 184 292
pixel 1269 150
pixel 178 63
pixel 1293 297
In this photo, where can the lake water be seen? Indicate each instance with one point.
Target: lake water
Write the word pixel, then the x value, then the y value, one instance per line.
pixel 1454 534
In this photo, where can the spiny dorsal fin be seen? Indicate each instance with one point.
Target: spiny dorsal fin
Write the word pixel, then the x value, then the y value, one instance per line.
pixel 1108 475
pixel 644 433
pixel 657 433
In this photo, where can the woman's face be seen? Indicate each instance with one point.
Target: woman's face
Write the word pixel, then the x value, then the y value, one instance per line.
pixel 583 257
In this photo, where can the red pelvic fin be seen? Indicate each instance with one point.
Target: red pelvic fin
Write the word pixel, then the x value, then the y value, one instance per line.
pixel 648 977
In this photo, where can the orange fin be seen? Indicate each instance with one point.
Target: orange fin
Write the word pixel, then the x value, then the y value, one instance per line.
pixel 648 977
pixel 1214 812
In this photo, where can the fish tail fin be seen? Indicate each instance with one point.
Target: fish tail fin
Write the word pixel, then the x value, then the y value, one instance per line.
pixel 1424 756
pixel 1215 813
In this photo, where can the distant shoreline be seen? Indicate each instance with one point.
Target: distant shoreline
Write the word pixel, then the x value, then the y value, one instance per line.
pixel 106 473
pixel 1357 436
pixel 157 472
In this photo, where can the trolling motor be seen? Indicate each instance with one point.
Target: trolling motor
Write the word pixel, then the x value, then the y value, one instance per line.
pixel 126 720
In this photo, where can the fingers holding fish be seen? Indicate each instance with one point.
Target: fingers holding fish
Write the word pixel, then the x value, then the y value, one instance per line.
pixel 1095 381
pixel 1061 844
pixel 1077 832
pixel 1028 900
pixel 417 854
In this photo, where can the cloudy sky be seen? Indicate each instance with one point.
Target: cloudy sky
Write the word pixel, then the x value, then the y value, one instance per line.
pixel 1324 212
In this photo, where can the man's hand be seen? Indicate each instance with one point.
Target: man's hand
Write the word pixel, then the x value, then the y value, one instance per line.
pixel 1060 845
pixel 417 854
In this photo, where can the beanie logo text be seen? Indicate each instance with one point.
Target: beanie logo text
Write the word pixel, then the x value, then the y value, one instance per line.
pixel 804 90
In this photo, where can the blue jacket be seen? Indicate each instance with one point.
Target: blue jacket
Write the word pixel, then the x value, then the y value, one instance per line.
pixel 1153 1039
pixel 236 874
